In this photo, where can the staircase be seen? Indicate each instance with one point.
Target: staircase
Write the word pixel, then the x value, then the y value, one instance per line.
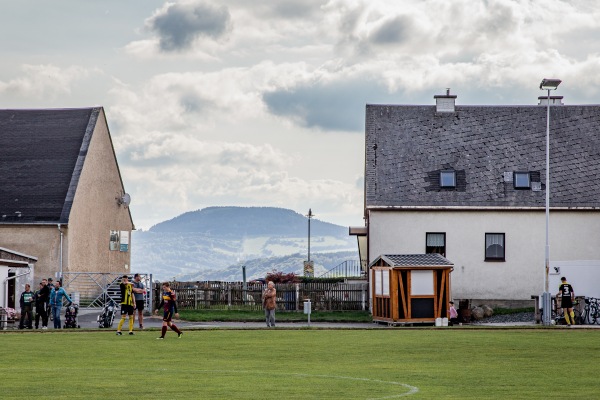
pixel 347 269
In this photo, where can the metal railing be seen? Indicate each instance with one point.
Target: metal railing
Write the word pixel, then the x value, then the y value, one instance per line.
pixel 347 269
pixel 324 296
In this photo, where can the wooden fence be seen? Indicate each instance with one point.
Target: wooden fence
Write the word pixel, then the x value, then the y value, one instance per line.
pixel 324 296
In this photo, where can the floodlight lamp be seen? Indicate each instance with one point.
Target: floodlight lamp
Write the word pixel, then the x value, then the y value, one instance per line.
pixel 549 84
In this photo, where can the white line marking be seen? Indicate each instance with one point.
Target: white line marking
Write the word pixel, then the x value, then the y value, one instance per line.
pixel 411 389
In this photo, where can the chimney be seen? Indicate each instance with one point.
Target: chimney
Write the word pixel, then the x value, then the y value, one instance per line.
pixel 554 101
pixel 445 102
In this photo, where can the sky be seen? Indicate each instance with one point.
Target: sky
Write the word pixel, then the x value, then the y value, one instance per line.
pixel 262 103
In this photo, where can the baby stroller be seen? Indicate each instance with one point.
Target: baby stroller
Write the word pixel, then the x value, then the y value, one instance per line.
pixel 106 319
pixel 71 316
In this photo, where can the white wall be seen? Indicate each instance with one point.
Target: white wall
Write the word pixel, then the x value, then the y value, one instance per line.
pixel 583 275
pixel 3 276
pixel 573 236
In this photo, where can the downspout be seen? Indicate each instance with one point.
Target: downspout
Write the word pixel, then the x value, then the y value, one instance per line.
pixel 6 284
pixel 60 256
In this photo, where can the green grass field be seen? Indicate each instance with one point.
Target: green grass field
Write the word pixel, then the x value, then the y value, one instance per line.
pixel 303 364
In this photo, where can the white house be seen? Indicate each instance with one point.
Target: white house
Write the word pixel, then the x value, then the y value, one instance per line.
pixel 468 182
pixel 16 269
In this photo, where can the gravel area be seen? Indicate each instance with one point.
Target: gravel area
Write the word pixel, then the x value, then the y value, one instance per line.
pixel 508 318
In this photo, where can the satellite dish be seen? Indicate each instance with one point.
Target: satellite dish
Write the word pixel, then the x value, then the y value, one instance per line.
pixel 124 200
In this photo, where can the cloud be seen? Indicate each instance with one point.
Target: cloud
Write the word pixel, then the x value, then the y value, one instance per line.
pixel 45 81
pixel 178 25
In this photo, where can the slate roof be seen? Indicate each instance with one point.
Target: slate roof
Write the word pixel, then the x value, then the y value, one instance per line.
pixel 407 147
pixel 414 260
pixel 42 153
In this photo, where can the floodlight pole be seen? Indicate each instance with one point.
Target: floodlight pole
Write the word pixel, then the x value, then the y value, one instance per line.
pixel 547 84
pixel 309 215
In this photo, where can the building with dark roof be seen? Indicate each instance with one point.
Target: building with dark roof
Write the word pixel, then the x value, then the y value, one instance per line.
pixel 61 192
pixel 468 182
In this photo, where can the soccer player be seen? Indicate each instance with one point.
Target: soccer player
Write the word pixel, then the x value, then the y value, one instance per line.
pixel 565 291
pixel 127 304
pixel 139 291
pixel 169 305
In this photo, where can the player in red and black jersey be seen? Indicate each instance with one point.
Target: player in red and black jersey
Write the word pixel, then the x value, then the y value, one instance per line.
pixel 169 305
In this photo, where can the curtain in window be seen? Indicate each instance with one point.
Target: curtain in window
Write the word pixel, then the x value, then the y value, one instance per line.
pixel 491 239
pixel 436 240
pixel 494 245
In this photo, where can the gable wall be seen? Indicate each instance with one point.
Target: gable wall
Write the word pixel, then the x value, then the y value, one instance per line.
pixel 41 241
pixel 573 236
pixel 95 211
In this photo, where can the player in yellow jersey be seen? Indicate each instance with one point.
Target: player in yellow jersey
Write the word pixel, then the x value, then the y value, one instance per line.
pixel 127 304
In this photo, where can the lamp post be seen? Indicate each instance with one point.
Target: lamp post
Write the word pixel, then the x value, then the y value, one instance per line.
pixel 547 84
pixel 308 265
pixel 309 215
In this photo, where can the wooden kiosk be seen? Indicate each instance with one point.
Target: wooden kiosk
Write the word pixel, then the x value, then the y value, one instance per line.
pixel 410 288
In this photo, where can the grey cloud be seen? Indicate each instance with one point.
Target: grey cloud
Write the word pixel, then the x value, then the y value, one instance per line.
pixel 330 106
pixel 180 24
pixel 287 9
pixel 396 30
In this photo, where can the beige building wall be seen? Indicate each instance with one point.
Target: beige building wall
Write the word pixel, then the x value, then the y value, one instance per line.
pixel 95 210
pixel 41 241
pixel 573 236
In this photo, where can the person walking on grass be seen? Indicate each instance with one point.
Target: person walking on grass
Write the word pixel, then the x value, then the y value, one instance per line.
pixel 567 297
pixel 127 304
pixel 56 299
pixel 169 305
pixel 269 298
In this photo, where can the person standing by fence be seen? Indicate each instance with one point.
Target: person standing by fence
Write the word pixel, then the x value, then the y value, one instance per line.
pixel 26 303
pixel 269 299
pixel 56 299
pixel 42 296
pixel 567 296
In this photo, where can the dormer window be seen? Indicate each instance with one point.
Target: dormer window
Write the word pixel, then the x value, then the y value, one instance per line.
pixel 522 180
pixel 448 179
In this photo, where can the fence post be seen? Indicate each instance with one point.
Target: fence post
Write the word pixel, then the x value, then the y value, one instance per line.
pixel 364 296
pixel 297 296
pixel 229 295
pixel 196 298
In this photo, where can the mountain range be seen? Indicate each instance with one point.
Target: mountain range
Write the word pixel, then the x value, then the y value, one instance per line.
pixel 214 243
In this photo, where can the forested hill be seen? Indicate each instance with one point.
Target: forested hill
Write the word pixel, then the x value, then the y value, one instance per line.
pixel 247 221
pixel 215 241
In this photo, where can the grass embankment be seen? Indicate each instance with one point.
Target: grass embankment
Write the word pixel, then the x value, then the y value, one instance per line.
pixel 259 316
pixel 302 364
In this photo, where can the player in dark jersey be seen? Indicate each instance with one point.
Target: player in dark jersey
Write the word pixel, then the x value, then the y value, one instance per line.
pixel 127 304
pixel 567 296
pixel 169 305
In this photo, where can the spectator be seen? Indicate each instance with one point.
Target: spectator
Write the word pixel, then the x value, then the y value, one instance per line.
pixel 139 292
pixel 56 299
pixel 50 285
pixel 452 315
pixel 269 298
pixel 26 303
pixel 42 297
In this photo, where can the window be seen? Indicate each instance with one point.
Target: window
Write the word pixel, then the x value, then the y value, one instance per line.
pixel 447 179
pixel 435 243
pixel 494 246
pixel 522 180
